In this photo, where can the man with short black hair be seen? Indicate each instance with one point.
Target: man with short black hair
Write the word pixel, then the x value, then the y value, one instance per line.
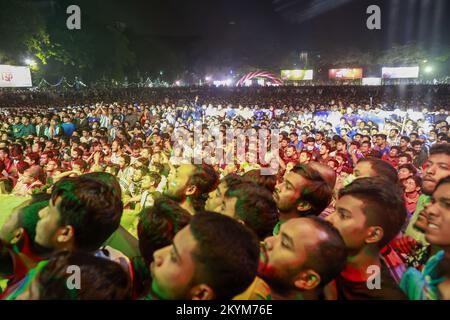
pixel 404 143
pixel 302 259
pixel 381 144
pixel 373 167
pixel 214 258
pixel 82 214
pixel 369 214
pixel 420 154
pixel 51 278
pixel 190 184
pixel 437 167
pixel 303 192
pixel 216 196
pixel 253 205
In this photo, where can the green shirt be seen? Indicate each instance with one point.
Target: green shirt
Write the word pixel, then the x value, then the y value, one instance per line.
pixel 28 130
pixel 17 130
pixel 411 230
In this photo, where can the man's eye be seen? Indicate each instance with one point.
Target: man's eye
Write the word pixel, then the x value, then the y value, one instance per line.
pixel 284 244
pixel 343 215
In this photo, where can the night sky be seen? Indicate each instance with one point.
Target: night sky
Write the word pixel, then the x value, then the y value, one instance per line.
pixel 312 24
pixel 262 33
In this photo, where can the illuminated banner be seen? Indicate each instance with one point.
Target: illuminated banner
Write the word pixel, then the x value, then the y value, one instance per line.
pixel 400 73
pixel 296 75
pixel 11 76
pixel 371 81
pixel 345 74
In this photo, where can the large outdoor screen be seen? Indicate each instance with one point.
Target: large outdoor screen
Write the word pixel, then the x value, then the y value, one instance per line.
pixel 400 73
pixel 345 74
pixel 296 75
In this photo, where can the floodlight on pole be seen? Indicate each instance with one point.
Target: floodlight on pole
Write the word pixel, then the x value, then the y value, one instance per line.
pixel 30 62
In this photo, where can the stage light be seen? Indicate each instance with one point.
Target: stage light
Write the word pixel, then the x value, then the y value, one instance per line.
pixel 228 82
pixel 207 78
pixel 30 62
pixel 425 61
pixel 428 69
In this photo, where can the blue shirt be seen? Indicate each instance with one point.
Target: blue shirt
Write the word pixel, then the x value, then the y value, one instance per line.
pixel 68 128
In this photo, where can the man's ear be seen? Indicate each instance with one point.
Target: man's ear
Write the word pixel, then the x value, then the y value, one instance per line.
pixel 307 280
pixel 65 235
pixel 202 292
pixel 191 190
pixel 18 236
pixel 374 234
pixel 303 206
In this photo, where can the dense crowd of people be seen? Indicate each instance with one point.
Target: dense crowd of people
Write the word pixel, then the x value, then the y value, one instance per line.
pixel 357 206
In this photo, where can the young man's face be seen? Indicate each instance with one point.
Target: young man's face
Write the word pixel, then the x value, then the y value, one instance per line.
pixel 137 176
pixel 10 226
pixel 437 167
pixel 323 150
pixel 410 186
pixel 393 153
pixel 228 206
pixel 177 181
pixel 403 143
pixel 288 192
pixel 287 252
pixel 51 166
pixel 350 220
pixel 115 146
pixel 122 163
pixel 417 148
pixel 215 197
pixel 174 267
pixel 48 225
pixel 290 151
pixel 402 161
pixel 147 182
pixel 340 146
pixel 379 141
pixel 438 215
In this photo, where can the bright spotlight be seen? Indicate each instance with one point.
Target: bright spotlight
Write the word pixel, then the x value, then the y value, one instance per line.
pixel 30 62
pixel 428 69
pixel 207 78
